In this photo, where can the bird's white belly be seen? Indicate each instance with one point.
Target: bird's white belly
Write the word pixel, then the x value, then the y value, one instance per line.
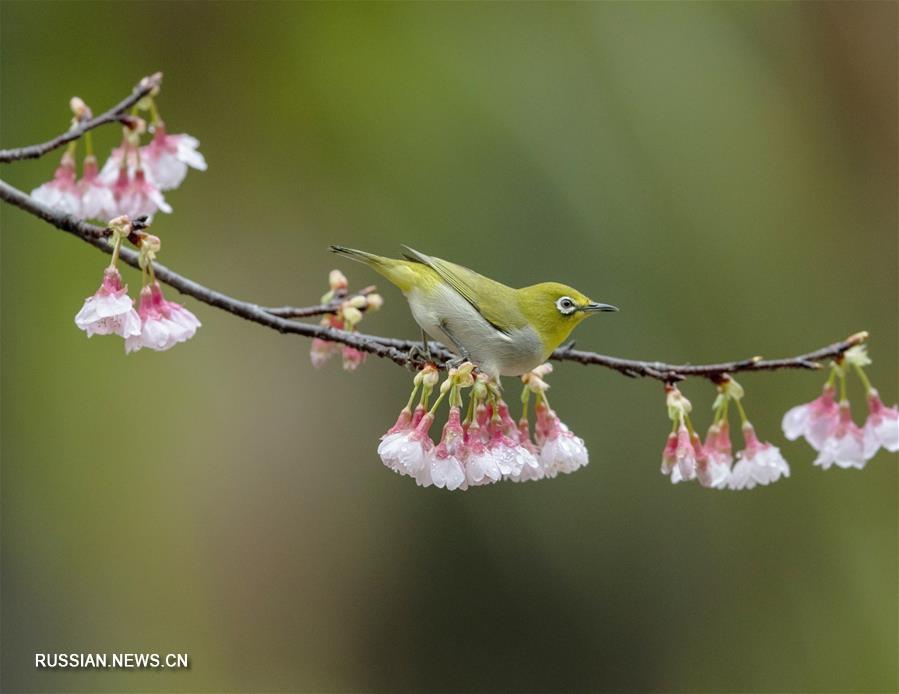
pixel 495 352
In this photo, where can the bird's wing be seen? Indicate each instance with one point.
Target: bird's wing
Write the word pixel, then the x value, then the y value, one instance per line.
pixel 493 300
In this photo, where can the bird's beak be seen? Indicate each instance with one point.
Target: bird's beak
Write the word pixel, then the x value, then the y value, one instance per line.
pixel 593 307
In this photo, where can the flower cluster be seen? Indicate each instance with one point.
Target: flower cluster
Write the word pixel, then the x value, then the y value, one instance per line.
pixel 686 457
pixel 347 314
pixel 826 423
pixel 157 323
pixel 132 179
pixel 485 446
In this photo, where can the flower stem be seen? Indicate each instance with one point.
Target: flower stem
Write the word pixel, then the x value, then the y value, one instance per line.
pixel 425 396
pixel 154 112
pixel 412 397
pixel 469 414
pixel 743 418
pixel 864 377
pixel 437 402
pixel 117 244
pixel 89 143
pixel 689 423
pixel 525 402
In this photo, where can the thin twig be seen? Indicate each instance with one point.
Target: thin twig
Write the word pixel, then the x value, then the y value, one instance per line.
pixel 115 114
pixel 399 351
pixel 321 309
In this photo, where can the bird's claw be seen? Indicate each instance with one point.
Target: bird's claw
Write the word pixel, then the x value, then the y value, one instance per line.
pixel 455 362
pixel 417 353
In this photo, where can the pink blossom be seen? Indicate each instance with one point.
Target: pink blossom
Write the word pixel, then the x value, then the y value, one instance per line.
pixel 62 192
pixel 97 200
pixel 445 460
pixel 845 446
pixel 528 472
pixel 321 351
pixel 669 454
pixel 112 167
pixel 881 427
pixel 560 449
pixel 684 468
pixel 758 463
pixel 418 414
pixel 352 358
pixel 163 323
pixel 815 420
pixel 110 310
pixel 392 441
pixel 509 427
pixel 136 196
pixel 713 466
pixel 510 456
pixel 480 465
pixel 406 449
pixel 167 157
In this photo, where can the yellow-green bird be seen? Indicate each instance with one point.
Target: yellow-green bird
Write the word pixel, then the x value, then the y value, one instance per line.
pixel 504 331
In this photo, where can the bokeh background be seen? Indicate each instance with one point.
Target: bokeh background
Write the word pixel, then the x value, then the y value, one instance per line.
pixel 725 173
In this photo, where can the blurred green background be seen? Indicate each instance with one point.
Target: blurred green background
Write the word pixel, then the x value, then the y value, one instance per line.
pixel 725 173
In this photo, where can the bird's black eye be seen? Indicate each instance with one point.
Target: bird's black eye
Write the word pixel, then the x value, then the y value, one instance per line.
pixel 566 305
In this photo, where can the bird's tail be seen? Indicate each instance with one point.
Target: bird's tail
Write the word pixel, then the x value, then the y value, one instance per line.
pixel 397 271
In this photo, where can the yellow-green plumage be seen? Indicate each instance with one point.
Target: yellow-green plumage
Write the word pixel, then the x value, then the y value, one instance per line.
pixel 503 330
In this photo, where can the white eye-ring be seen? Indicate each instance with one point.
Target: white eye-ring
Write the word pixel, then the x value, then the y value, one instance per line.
pixel 566 305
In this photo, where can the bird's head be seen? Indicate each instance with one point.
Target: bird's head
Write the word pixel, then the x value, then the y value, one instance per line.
pixel 554 309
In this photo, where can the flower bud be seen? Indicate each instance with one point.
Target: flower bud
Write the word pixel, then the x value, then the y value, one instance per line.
pixel 351 315
pixel 152 243
pixel 120 226
pixel 533 379
pixel 337 280
pixel 375 301
pixel 80 110
pixel 731 389
pixel 352 358
pixel 359 302
pixel 429 376
pixel 678 405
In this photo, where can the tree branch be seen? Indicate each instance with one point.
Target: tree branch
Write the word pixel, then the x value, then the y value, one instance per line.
pixel 398 350
pixel 115 114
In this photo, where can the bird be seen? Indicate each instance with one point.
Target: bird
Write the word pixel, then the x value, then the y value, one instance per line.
pixel 501 330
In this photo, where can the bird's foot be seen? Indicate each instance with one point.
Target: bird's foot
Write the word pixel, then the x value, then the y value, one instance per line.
pixel 419 353
pixel 422 352
pixel 456 362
